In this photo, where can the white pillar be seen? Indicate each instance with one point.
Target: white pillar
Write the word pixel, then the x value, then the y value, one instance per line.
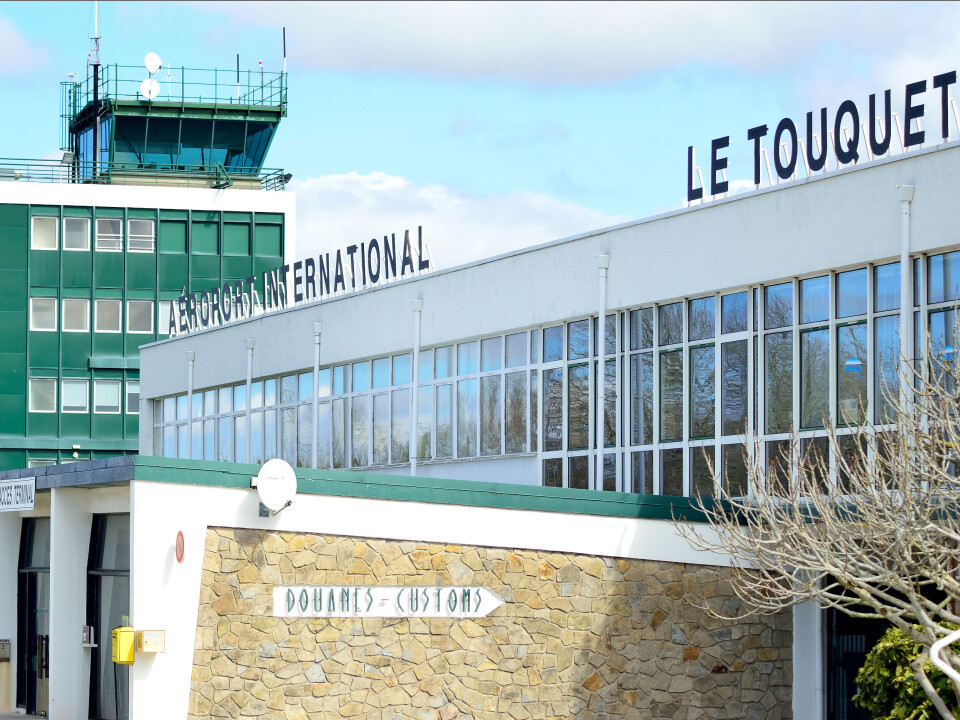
pixel 251 343
pixel 417 306
pixel 906 296
pixel 317 329
pixel 191 357
pixel 603 262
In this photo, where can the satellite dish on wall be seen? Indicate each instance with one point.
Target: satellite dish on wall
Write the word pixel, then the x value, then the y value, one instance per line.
pixel 152 62
pixel 149 88
pixel 276 484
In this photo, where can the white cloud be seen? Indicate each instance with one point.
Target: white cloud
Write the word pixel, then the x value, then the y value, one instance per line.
pixel 18 54
pixel 334 211
pixel 560 43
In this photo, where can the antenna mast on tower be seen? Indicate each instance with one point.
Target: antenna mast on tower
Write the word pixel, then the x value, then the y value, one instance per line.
pixel 94 60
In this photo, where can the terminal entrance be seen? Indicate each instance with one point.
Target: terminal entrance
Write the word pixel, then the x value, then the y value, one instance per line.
pixel 847 644
pixel 33 625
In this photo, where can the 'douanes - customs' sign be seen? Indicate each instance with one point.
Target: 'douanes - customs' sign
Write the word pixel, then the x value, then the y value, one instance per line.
pixel 383 601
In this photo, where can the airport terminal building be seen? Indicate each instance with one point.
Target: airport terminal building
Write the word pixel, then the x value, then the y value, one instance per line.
pixel 487 462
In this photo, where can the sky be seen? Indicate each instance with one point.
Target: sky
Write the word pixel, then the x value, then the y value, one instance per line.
pixel 493 125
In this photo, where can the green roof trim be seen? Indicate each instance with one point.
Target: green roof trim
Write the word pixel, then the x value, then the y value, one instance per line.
pixel 378 486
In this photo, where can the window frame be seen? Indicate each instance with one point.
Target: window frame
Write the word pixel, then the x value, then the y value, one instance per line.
pixel 126 397
pixel 30 394
pixel 63 315
pixel 149 331
pixel 100 383
pixel 131 237
pixel 56 232
pixel 77 381
pixel 35 299
pixel 86 235
pixel 96 315
pixel 103 237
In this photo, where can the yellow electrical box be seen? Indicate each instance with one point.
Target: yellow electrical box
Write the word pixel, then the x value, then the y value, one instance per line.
pixel 124 639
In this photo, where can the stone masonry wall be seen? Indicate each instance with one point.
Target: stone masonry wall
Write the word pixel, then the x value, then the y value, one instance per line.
pixel 578 637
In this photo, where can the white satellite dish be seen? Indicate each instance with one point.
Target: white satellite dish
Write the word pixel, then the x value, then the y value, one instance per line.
pixel 152 61
pixel 149 88
pixel 276 484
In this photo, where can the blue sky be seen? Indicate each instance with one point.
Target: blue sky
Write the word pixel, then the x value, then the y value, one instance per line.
pixel 493 125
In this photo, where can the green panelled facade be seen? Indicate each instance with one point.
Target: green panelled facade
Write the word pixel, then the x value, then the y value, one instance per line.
pixel 195 249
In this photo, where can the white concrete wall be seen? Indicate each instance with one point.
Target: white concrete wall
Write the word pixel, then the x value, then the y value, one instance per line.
pixel 843 219
pixel 71 516
pixel 166 594
pixel 10 526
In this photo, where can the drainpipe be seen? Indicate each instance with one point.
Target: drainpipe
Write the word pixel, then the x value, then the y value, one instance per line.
pixel 417 306
pixel 317 329
pixel 191 358
pixel 906 296
pixel 251 342
pixel 603 262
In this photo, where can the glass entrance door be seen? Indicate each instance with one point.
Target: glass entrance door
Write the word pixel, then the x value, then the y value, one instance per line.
pixel 33 623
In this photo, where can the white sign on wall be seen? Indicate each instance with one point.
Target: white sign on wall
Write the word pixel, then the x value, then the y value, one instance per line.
pixel 379 601
pixel 17 494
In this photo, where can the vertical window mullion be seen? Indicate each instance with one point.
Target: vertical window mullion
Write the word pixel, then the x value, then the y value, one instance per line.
pixel 657 489
pixel 686 394
pixel 833 344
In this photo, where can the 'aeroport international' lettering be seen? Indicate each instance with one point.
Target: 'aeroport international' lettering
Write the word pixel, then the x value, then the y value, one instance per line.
pixel 847 148
pixel 305 281
pixel 383 601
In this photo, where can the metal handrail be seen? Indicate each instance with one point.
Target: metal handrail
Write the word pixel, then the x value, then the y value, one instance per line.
pixel 189 85
pixel 939 661
pixel 106 173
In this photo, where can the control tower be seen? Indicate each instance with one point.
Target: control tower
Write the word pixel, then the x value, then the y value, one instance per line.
pixel 158 125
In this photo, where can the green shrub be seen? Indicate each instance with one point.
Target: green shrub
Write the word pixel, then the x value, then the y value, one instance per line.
pixel 886 686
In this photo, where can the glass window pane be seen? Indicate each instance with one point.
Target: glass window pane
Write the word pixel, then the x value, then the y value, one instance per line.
pixel 43 395
pixel 553 472
pixel 734 470
pixel 779 463
pixel 76 315
pixel 641 329
pixel 44 234
pixel 239 435
pixel 943 279
pixel 183 408
pixel 733 308
pixel 815 299
pixel 516 416
pixel 401 369
pixel 671 323
pixel 339 432
pixel 852 373
pixel 444 361
pixel 339 379
pixel 578 339
pixel 886 287
pixel 270 392
pixel 400 426
pixel 702 318
pixel 815 458
pixel 467 418
pixel 578 407
pixel 579 467
pixel 359 434
pixel 381 373
pixel 381 429
pixel 671 472
pixel 288 435
pixel 140 236
pixel 778 391
pixel 225 439
pixel 641 399
pixel 109 234
pixel 552 409
pixel 323 383
pixel 210 402
pixel 491 412
pixel 733 387
pixel 490 350
pixel 270 434
pixel 778 306
pixel 361 376
pixel 426 365
pixel 304 436
pixel 671 395
pixel 226 400
pixel 444 421
pixel 534 346
pixel 516 350
pixel 424 422
pixel 642 466
pixel 106 396
pixel 256 395
pixel 107 314
pixel 609 403
pixel 702 391
pixel 610 472
pixel 43 313
pixel 887 377
pixel 76 233
pixel 467 358
pixel 170 441
pixel 609 335
pixel 111 698
pixel 324 429
pixel 169 409
pixel 553 343
pixel 304 388
pixel 197 405
pixel 240 398
pixel 534 410
pixel 852 293
pixel 256 437
pixel 702 461
pixel 140 316
pixel 814 378
pixel 74 395
pixel 209 439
